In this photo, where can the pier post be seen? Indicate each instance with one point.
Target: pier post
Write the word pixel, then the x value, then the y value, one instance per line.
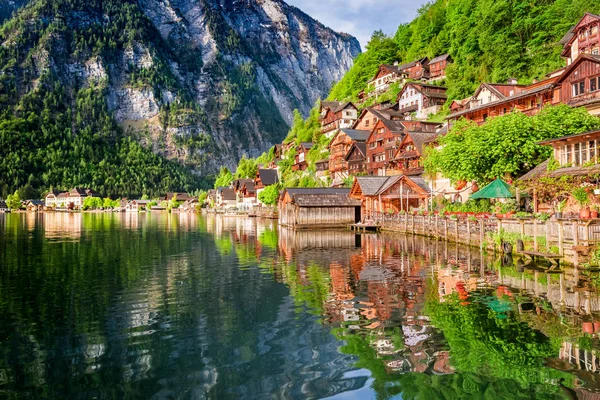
pixel 560 238
pixel 468 231
pixel 456 230
pixel 535 234
pixel 481 233
pixel 575 225
pixel 437 233
pixel 445 228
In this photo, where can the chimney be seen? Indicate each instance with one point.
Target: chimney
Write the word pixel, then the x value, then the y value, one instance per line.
pixel 512 81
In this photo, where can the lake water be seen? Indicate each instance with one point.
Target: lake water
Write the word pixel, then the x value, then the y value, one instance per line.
pixel 159 306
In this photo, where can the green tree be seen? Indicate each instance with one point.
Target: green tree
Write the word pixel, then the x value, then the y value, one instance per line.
pixel 270 195
pixel 504 146
pixel 247 168
pixel 13 201
pixel 224 178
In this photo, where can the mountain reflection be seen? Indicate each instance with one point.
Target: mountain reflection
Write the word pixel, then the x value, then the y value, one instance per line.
pixel 184 306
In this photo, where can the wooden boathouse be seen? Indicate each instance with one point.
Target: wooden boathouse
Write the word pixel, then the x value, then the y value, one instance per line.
pixel 318 208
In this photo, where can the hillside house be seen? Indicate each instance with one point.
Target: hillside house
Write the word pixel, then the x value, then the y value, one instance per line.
pixel 583 38
pixel 408 158
pixel 318 207
pixel 492 100
pixel 416 70
pixel 356 158
pixel 337 115
pixel 178 196
pixel 420 100
pixel 437 67
pixel 384 77
pixel 301 163
pixel 580 84
pixel 246 196
pixel 382 144
pixel 389 194
pixel 338 148
pixel 34 205
pixel 369 117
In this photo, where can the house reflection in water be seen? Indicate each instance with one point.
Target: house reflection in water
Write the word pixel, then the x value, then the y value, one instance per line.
pixel 380 285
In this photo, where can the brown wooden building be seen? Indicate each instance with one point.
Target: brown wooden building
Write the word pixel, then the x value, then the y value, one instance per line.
pixel 337 115
pixel 318 208
pixel 382 145
pixel 356 158
pixel 389 194
pixel 408 158
pixel 302 150
pixel 338 148
pixel 437 66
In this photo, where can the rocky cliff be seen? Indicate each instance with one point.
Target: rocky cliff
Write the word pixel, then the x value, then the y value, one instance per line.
pixel 199 81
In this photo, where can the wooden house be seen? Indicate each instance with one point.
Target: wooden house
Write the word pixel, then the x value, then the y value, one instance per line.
pixel 226 197
pixel 34 205
pixel 389 194
pixel 492 100
pixel 382 144
pixel 579 84
pixel 178 196
pixel 369 117
pixel 386 75
pixel 583 38
pixel 420 100
pixel 301 163
pixel 416 70
pixel 337 115
pixel 318 208
pixel 408 158
pixel 437 66
pixel 338 148
pixel 577 155
pixel 264 177
pixel 356 158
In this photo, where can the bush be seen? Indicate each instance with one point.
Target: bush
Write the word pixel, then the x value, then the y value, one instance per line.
pixel 269 195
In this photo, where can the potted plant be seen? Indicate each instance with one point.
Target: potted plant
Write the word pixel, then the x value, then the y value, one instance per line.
pixel 583 198
pixel 560 207
pixel 594 212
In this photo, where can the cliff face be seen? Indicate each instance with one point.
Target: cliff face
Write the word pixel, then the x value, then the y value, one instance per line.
pixel 199 81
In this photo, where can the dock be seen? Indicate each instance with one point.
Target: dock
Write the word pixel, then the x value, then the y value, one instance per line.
pixel 364 227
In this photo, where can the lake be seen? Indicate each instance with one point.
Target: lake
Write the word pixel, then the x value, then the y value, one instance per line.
pixel 160 306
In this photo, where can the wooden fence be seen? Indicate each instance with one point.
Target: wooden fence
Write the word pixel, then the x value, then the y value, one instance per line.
pixel 561 233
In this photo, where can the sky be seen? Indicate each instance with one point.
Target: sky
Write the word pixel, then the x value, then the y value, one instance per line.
pixel 360 17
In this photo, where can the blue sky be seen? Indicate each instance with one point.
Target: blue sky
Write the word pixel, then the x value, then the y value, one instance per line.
pixel 360 17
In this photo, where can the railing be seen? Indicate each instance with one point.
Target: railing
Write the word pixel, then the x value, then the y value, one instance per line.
pixel 476 229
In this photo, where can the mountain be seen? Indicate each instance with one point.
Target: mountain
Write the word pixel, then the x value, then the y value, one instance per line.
pixel 198 82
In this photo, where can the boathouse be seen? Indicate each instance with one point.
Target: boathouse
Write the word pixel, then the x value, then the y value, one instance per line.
pixel 389 194
pixel 318 208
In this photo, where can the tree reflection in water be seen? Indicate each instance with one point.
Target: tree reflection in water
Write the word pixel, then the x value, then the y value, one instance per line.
pixel 157 305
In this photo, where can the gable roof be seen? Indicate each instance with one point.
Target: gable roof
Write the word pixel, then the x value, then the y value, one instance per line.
pixel 370 185
pixel 307 145
pixel 361 146
pixel 268 176
pixel 439 58
pixel 228 194
pixel 420 139
pixel 570 35
pixel 356 135
pixel 581 58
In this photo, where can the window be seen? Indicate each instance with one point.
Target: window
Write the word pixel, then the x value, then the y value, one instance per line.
pixel 366 122
pixel 593 84
pixel 592 149
pixel 569 155
pixel 381 130
pixel 563 155
pixel 485 117
pixel 578 88
pixel 576 154
pixel 595 51
pixel 594 29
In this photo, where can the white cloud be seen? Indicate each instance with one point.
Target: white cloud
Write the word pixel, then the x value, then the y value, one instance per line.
pixel 360 18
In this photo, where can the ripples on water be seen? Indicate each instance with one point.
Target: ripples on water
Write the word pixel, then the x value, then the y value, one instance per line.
pixel 158 306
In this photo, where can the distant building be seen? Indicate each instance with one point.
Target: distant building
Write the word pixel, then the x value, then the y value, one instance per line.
pixel 301 163
pixel 338 148
pixel 72 199
pixel 137 205
pixel 34 205
pixel 264 178
pixel 437 66
pixel 356 158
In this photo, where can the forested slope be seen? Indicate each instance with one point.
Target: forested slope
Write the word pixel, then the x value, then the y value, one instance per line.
pixel 489 40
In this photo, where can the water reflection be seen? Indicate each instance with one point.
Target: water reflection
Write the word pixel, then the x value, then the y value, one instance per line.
pixel 155 305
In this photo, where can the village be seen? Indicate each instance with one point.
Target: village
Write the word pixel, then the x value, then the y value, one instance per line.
pixel 373 177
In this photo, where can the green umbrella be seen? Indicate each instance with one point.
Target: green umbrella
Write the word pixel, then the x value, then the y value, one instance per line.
pixel 495 190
